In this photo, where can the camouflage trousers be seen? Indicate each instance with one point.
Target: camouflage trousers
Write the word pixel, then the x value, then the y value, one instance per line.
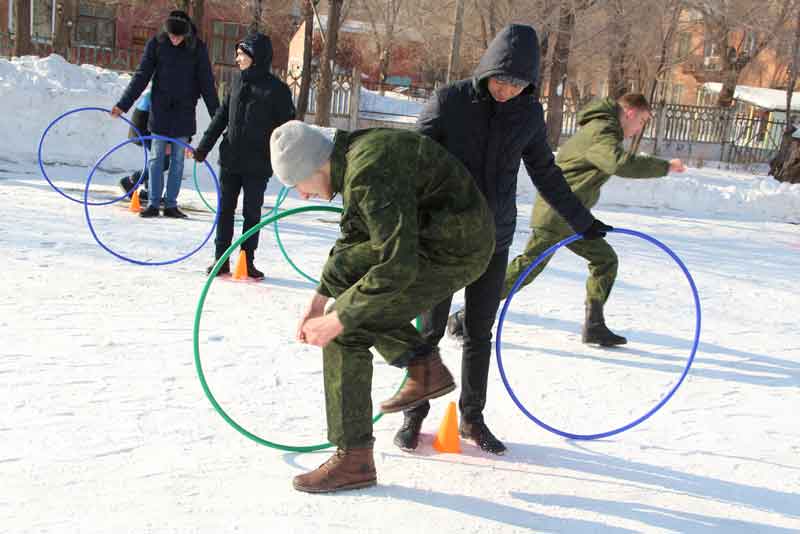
pixel 347 360
pixel 603 262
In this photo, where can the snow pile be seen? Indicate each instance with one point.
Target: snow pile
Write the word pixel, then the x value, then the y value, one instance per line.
pixel 34 91
pixel 701 193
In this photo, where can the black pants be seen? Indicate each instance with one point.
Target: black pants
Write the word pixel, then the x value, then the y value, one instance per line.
pixel 232 183
pixel 482 298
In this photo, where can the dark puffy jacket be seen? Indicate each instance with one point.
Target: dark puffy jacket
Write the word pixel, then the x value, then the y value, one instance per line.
pixel 180 74
pixel 491 138
pixel 256 104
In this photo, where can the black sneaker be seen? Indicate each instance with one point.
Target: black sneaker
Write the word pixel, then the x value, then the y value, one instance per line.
pixel 480 434
pixel 225 269
pixel 174 213
pixel 126 184
pixel 151 211
pixel 407 437
pixel 143 196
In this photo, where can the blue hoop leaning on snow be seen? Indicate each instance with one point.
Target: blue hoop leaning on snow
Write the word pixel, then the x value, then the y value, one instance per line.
pixel 89 220
pixel 59 191
pixel 663 401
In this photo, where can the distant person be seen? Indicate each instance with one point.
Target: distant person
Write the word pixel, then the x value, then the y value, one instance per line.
pixel 139 118
pixel 588 159
pixel 177 62
pixel 256 104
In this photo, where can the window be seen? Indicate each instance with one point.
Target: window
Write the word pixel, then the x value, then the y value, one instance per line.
pixel 96 25
pixel 141 34
pixel 684 44
pixel 12 25
pixel 711 48
pixel 43 20
pixel 748 44
pixel 676 94
pixel 223 41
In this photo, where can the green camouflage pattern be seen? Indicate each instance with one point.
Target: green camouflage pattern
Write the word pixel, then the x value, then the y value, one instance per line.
pixel 414 230
pixel 588 159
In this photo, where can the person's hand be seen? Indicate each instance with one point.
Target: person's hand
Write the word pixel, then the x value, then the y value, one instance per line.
pixel 597 230
pixel 320 331
pixel 315 309
pixel 198 155
pixel 116 112
pixel 676 165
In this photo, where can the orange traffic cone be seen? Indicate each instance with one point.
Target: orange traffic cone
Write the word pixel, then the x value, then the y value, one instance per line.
pixel 240 271
pixel 447 439
pixel 135 204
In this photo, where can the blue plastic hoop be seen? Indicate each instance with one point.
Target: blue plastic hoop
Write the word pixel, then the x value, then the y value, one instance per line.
pixel 85 201
pixel 125 258
pixel 663 401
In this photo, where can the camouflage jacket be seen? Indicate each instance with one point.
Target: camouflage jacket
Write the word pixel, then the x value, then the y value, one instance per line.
pixel 413 202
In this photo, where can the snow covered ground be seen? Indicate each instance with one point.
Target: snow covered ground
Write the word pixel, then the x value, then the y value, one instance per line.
pixel 104 426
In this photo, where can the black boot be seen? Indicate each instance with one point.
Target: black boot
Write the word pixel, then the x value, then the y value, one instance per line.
pixel 407 437
pixel 252 272
pixel 455 325
pixel 480 434
pixel 595 331
pixel 225 269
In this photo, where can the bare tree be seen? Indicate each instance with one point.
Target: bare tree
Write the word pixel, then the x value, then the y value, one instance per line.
pixel 308 41
pixel 325 89
pixel 740 30
pixel 382 16
pixel 22 31
pixel 455 42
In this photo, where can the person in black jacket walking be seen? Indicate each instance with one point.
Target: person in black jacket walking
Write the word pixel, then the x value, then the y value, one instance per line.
pixel 256 104
pixel 490 123
pixel 177 62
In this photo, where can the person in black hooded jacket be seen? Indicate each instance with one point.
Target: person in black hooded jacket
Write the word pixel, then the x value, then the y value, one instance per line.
pixel 256 104
pixel 492 122
pixel 177 62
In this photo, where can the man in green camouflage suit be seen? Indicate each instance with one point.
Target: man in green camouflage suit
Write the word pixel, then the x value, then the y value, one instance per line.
pixel 588 159
pixel 415 229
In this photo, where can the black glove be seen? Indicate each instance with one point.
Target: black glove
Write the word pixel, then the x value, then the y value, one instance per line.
pixel 200 155
pixel 597 230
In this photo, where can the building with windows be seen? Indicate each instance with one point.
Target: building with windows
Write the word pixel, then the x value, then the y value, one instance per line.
pixel 113 34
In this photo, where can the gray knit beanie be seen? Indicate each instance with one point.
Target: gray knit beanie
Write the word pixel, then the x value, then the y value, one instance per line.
pixel 297 150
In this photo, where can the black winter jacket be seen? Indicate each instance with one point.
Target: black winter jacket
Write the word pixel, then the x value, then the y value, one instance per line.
pixel 180 74
pixel 256 104
pixel 490 138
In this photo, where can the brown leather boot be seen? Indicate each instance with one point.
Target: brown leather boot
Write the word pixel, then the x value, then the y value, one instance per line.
pixel 428 378
pixel 346 469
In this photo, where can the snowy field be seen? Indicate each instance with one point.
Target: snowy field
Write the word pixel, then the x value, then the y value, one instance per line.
pixel 104 426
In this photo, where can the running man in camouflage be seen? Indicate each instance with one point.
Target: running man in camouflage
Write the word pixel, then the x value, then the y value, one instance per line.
pixel 589 159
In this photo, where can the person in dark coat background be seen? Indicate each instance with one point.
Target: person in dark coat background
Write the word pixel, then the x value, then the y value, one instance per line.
pixel 177 62
pixel 490 123
pixel 256 104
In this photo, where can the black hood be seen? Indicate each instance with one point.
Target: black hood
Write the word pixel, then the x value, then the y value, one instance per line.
pixel 259 47
pixel 513 52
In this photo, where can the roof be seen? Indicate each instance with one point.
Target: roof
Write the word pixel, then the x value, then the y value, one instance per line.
pixel 359 26
pixel 771 99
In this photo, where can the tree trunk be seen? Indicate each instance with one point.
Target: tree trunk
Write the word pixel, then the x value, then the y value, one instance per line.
pixel 198 14
pixel 558 73
pixel 455 44
pixel 258 12
pixel 325 89
pixel 308 43
pixel 544 47
pixel 22 20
